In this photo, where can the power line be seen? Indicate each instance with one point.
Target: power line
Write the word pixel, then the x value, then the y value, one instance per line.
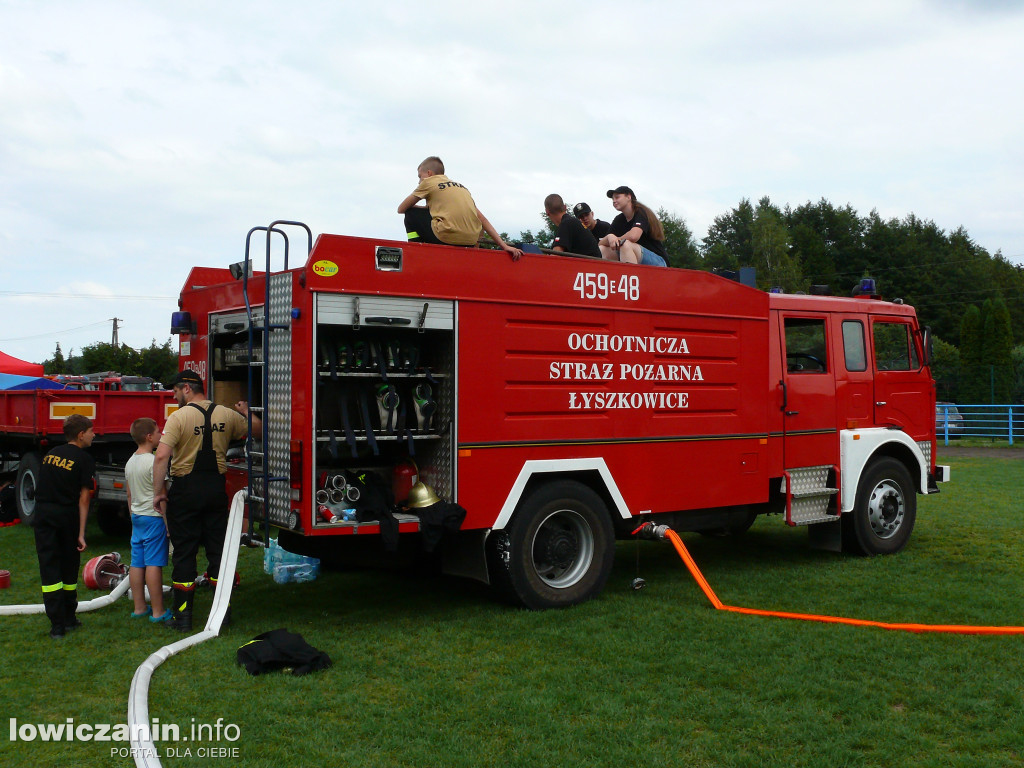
pixel 90 296
pixel 54 333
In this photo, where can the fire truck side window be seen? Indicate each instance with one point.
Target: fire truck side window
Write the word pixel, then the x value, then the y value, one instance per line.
pixel 894 347
pixel 853 345
pixel 805 345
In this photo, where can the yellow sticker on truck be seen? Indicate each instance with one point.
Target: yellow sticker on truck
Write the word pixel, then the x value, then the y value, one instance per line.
pixel 325 268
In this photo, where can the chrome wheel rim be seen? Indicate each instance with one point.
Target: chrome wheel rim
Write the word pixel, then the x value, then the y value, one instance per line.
pixel 562 548
pixel 886 508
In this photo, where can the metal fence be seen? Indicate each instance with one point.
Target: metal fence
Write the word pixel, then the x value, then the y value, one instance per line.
pixel 997 422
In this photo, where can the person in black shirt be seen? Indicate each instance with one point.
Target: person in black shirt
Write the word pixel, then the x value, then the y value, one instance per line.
pixel 586 216
pixel 62 508
pixel 637 236
pixel 570 236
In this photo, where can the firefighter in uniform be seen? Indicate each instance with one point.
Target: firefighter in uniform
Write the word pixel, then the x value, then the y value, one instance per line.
pixel 194 443
pixel 62 508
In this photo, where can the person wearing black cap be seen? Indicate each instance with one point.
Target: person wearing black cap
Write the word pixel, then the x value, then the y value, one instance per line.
pixel 637 236
pixel 586 216
pixel 194 444
pixel 570 234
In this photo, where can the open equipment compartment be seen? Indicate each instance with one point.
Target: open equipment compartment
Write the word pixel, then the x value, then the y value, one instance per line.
pixel 385 391
pixel 230 357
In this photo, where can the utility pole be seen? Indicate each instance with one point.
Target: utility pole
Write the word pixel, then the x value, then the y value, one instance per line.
pixel 113 336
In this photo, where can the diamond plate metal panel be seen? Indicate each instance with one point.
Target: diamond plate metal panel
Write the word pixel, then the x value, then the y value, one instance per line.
pixel 279 396
pixel 810 495
pixel 811 509
pixel 926 449
pixel 808 479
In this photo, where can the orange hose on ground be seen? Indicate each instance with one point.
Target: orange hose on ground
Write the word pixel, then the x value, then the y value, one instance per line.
pixel 691 565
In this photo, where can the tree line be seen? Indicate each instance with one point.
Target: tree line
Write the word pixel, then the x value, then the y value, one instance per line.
pixel 972 300
pixel 159 362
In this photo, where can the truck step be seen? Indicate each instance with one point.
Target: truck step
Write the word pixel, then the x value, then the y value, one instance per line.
pixel 808 495
pixel 806 507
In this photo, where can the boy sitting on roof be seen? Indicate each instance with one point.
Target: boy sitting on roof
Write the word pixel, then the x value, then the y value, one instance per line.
pixel 450 217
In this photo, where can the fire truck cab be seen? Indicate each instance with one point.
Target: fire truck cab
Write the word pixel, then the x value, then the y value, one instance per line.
pixel 562 401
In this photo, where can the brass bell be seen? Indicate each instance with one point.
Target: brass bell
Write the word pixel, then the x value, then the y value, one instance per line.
pixel 421 495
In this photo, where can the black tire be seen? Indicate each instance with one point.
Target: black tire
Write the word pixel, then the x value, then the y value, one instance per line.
pixel 26 485
pixel 114 519
pixel 558 549
pixel 884 512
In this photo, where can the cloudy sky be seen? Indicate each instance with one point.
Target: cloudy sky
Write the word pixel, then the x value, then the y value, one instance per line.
pixel 138 139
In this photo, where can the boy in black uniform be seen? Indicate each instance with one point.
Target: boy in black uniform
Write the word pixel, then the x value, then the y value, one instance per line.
pixel 594 225
pixel 570 234
pixel 62 507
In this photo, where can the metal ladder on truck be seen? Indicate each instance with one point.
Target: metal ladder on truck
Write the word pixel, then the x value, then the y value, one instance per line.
pixel 269 467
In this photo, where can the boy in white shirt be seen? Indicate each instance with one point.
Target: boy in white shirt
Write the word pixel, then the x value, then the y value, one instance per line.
pixel 149 530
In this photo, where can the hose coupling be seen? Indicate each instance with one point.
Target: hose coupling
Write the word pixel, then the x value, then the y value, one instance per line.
pixel 651 531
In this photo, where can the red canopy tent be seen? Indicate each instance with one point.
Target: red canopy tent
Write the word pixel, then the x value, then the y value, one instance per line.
pixel 18 367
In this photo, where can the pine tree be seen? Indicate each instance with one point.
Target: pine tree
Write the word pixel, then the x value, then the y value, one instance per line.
pixel 972 379
pixel 997 345
pixel 56 365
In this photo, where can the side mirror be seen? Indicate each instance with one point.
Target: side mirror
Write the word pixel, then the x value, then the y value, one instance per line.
pixel 927 346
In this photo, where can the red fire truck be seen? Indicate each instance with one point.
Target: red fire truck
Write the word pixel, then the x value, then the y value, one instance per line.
pixel 32 422
pixel 562 401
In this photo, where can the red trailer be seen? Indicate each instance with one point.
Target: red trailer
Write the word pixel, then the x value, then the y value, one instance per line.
pixel 562 401
pixel 31 423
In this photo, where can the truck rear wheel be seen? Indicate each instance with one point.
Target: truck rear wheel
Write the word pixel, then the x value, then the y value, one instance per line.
pixel 114 519
pixel 26 485
pixel 559 548
pixel 885 510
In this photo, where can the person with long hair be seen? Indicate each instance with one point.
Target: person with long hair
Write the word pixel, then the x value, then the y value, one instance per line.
pixel 637 236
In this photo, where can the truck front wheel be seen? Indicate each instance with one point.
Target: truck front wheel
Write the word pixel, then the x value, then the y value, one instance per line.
pixel 885 510
pixel 558 549
pixel 26 485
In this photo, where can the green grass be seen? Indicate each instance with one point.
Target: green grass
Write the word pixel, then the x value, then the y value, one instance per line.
pixel 428 671
pixel 982 442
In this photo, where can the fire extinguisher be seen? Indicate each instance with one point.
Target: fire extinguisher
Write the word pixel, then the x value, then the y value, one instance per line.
pixel 404 477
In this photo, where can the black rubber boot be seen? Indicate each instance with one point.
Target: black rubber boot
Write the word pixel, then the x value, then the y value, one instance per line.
pixel 181 607
pixel 71 621
pixel 53 602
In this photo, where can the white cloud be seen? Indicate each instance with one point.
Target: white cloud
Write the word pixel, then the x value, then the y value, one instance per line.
pixel 139 140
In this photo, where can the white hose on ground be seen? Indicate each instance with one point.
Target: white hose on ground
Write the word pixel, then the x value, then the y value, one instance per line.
pixel 138 697
pixel 88 605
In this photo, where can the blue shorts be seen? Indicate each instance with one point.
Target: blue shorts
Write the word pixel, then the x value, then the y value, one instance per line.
pixel 149 541
pixel 651 259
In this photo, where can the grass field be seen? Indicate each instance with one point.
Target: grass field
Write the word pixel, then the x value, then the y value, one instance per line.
pixel 429 672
